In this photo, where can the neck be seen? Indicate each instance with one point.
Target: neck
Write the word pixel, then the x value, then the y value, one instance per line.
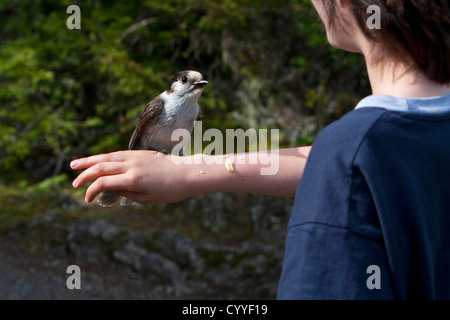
pixel 390 78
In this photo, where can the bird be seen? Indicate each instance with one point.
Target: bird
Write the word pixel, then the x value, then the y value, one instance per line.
pixel 175 108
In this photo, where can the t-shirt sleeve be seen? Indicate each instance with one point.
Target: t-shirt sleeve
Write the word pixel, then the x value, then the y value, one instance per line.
pixel 334 246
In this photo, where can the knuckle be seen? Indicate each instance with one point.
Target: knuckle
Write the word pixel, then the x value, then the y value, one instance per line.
pixel 99 167
pixel 108 157
pixel 131 178
pixel 100 183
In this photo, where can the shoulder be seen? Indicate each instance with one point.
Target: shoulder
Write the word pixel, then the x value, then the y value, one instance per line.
pixel 354 124
pixel 345 135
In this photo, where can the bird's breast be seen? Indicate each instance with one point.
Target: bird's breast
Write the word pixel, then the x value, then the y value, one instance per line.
pixel 180 114
pixel 175 115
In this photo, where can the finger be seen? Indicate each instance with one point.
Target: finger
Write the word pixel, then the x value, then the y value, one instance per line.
pixel 98 170
pixel 108 183
pixel 84 163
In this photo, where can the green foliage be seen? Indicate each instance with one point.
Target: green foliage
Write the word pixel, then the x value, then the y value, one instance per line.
pixel 69 93
pixel 19 203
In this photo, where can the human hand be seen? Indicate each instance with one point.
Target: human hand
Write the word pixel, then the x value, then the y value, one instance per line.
pixel 142 176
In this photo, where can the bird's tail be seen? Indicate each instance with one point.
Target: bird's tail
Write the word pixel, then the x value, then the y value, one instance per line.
pixel 110 198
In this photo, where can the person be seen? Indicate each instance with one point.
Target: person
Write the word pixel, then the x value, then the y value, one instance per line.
pixel 371 218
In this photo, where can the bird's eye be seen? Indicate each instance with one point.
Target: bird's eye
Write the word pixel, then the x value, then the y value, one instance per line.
pixel 184 79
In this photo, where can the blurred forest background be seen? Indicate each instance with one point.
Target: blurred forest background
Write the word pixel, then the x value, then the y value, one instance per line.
pixel 71 93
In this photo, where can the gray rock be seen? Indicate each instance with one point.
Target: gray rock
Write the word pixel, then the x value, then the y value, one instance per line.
pixel 178 248
pixel 143 261
pixel 45 221
pixel 214 211
pixel 269 214
pixel 90 239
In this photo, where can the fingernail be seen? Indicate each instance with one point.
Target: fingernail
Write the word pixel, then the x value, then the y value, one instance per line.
pixel 74 164
pixel 74 184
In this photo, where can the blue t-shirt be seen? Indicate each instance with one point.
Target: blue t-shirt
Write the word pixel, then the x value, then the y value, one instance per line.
pixel 371 218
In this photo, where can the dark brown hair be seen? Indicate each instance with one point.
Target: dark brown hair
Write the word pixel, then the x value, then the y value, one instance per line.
pixel 416 32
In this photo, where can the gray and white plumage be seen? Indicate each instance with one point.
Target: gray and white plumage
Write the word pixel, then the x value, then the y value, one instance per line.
pixel 175 108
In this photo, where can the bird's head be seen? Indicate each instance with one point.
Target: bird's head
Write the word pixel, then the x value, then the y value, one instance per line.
pixel 187 84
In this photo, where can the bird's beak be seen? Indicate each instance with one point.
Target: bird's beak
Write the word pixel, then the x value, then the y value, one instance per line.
pixel 201 83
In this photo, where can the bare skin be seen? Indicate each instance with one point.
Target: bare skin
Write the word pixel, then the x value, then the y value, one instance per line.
pixel 150 177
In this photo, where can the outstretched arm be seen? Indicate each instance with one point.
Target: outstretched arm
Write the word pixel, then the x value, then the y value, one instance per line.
pixel 151 177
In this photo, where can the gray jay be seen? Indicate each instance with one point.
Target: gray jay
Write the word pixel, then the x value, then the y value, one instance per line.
pixel 176 108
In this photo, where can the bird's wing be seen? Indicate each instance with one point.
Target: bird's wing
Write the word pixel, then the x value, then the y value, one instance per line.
pixel 148 117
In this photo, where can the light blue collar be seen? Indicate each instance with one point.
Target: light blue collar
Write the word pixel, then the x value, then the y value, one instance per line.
pixel 423 106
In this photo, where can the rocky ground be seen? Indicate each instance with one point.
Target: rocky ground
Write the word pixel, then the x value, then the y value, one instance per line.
pixel 35 277
pixel 119 263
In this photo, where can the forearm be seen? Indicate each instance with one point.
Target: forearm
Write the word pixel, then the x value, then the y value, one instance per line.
pixel 152 177
pixel 276 173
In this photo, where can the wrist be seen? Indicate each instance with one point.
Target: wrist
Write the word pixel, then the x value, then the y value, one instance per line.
pixel 203 175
